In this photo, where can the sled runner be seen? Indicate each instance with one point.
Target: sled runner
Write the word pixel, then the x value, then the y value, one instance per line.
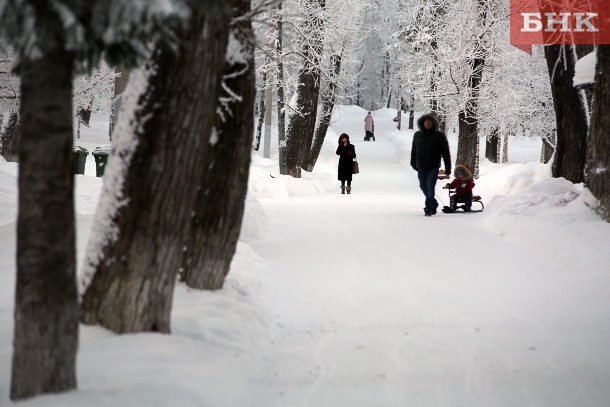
pixel 454 204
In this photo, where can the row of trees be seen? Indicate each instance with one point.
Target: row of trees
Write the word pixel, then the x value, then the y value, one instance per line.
pixel 455 58
pixel 189 103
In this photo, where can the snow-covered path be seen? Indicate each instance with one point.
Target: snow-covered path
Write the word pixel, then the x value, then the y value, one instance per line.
pixel 361 301
pixel 377 305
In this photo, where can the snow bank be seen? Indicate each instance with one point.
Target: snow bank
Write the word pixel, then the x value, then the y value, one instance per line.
pixel 547 214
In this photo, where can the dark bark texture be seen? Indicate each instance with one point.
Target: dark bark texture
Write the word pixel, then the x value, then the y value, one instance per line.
pixel 468 118
pixel 570 149
pixel 84 115
pixel 220 203
pixel 261 113
pixel 468 122
pixel 281 98
pixel 133 284
pixel 598 162
pixel 492 146
pixel 46 305
pixel 328 104
pixel 411 117
pixel 9 139
pixel 302 122
pixel 467 142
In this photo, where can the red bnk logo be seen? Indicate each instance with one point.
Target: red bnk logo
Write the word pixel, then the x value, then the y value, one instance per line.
pixel 559 22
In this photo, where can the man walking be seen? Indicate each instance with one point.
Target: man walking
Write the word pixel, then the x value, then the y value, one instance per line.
pixel 429 146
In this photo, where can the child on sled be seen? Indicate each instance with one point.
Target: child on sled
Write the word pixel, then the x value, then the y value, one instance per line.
pixel 463 184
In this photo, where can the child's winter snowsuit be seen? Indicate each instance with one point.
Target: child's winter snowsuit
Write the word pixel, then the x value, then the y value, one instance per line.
pixel 463 184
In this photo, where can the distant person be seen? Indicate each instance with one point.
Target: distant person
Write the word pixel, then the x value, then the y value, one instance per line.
pixel 369 125
pixel 346 153
pixel 429 146
pixel 463 185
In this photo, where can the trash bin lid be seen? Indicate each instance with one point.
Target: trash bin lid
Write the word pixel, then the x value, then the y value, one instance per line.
pixel 102 150
pixel 79 149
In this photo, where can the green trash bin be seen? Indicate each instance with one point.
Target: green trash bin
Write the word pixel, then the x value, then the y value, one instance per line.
pixel 80 157
pixel 101 159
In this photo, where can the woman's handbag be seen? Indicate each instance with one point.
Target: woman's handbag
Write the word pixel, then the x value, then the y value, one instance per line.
pixel 356 168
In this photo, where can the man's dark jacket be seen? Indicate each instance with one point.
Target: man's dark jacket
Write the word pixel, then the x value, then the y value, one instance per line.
pixel 429 146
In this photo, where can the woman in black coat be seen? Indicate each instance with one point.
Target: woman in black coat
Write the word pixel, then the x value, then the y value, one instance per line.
pixel 346 153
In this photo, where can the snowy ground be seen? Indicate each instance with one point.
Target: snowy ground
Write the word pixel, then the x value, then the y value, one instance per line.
pixel 360 300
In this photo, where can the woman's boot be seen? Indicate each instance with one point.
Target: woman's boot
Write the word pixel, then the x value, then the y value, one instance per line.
pixel 343 189
pixel 349 190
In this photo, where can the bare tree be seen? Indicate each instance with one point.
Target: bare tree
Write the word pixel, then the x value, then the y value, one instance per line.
pixel 304 104
pixel 468 117
pixel 281 93
pixel 219 208
pixel 46 303
pixel 571 114
pixel 328 104
pixel 598 160
pixel 133 262
pixel 492 146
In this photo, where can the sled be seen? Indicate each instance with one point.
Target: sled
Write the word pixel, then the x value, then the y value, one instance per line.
pixel 455 208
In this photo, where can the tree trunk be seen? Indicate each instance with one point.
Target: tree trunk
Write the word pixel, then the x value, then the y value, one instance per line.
pixel 302 121
pixel 491 146
pixel 327 112
pixel 411 113
pixel 134 270
pixel 548 147
pixel 505 148
pixel 261 112
pixel 468 141
pixel 84 115
pixel 598 161
pixel 9 140
pixel 219 209
pixel 570 112
pixel 46 303
pixel 281 98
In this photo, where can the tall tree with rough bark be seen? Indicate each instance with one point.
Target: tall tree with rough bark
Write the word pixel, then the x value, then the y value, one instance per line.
pixel 46 303
pixel 219 208
pixel 329 96
pixel 53 41
pixel 492 146
pixel 598 160
pixel 304 103
pixel 468 117
pixel 571 113
pixel 281 92
pixel 153 175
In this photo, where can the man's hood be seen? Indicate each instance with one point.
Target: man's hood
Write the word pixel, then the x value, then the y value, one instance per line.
pixel 431 117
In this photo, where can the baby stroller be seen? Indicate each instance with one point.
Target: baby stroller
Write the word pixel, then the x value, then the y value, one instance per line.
pixel 370 135
pixel 455 200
